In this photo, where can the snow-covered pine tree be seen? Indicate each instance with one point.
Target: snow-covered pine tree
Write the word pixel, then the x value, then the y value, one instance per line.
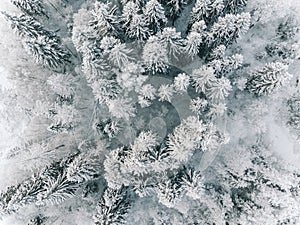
pixel 107 127
pixel 195 39
pixel 48 52
pixel 85 167
pixel 192 183
pixel 113 206
pixel 168 191
pixel 15 197
pixel 155 16
pixel 104 19
pixel 56 189
pixel 138 28
pixel 227 29
pixel 219 89
pixel 268 78
pixel 165 92
pixel 31 7
pixel 120 55
pixel 203 78
pixel 234 6
pixel 129 11
pixel 181 82
pixel 47 186
pixel 174 8
pixel 172 40
pixel 105 89
pixel 206 10
pixel 28 27
pixel 155 56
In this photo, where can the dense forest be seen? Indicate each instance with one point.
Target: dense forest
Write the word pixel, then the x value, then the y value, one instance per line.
pixel 149 112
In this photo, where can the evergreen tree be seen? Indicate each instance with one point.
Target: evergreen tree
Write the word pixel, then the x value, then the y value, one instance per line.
pixel 227 29
pixel 104 19
pixel 206 10
pixel 165 92
pixel 172 40
pixel 138 28
pixel 48 52
pixel 195 39
pixel 31 7
pixel 174 8
pixel 120 55
pixel 113 207
pixel 130 10
pixel 28 27
pixel 155 56
pixel 267 79
pixel 85 167
pixel 235 6
pixel 155 15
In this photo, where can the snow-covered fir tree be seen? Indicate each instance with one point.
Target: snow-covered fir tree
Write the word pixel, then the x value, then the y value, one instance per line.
pixel 147 112
pixel 267 79
pixel 155 15
pixel 31 7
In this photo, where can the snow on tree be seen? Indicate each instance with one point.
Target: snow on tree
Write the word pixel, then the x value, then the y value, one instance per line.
pixel 206 10
pixel 138 28
pixel 49 186
pixel 267 79
pixel 107 127
pixel 217 53
pixel 120 55
pixel 217 109
pixel 138 2
pixel 155 56
pixel 147 94
pixel 227 29
pixel 198 105
pixel 192 183
pixel 190 135
pixel 168 192
pixel 56 190
pixel 234 6
pixel 195 38
pixel 129 11
pixel 31 7
pixel 65 119
pixel 203 78
pixel 155 15
pixel 85 167
pixel 121 108
pixel 105 89
pixel 219 89
pixel 104 19
pixel 174 8
pixel 181 82
pixel 165 92
pixel 62 84
pixel 113 206
pixel 48 52
pixel 172 40
pixel 28 27
pixel 131 78
pixel 20 195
